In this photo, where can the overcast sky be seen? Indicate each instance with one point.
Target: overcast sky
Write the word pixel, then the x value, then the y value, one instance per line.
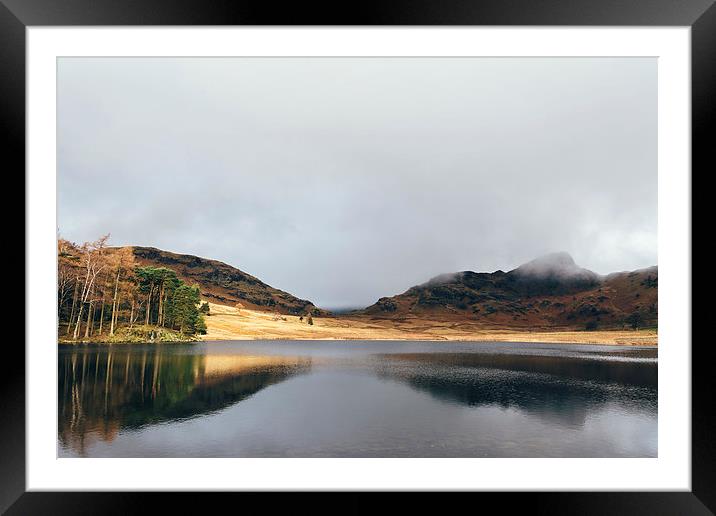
pixel 346 179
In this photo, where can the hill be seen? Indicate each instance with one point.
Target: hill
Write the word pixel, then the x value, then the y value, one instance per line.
pixel 113 294
pixel 224 284
pixel 551 291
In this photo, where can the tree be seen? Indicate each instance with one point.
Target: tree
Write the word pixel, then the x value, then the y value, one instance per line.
pixel 123 258
pixel 184 311
pixel 93 265
pixel 66 272
pixel 310 320
pixel 200 326
pixel 204 308
pixel 69 275
pixel 634 320
pixel 159 285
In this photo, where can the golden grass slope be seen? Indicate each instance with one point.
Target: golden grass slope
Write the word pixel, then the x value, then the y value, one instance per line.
pixel 230 323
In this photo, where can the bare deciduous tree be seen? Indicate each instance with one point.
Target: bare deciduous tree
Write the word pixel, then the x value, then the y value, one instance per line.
pixel 93 262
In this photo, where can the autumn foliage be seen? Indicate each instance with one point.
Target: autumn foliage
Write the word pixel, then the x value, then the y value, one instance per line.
pixel 100 289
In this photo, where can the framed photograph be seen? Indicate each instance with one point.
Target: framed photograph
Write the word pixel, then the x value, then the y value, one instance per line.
pixel 408 249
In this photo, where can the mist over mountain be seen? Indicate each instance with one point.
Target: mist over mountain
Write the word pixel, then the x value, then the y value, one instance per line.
pixel 555 265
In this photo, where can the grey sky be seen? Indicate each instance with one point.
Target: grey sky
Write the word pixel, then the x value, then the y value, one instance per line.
pixel 342 180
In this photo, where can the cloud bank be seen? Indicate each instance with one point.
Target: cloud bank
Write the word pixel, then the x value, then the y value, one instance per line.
pixel 342 180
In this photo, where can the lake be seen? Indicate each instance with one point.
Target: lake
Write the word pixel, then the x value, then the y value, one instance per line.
pixel 356 399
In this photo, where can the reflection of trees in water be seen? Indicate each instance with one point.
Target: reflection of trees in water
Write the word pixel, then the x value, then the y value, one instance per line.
pixel 103 390
pixel 558 389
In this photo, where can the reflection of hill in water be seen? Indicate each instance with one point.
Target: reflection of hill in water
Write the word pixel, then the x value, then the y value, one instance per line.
pixel 553 388
pixel 103 390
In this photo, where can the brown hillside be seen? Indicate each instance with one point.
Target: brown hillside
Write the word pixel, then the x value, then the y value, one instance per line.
pixel 549 292
pixel 224 284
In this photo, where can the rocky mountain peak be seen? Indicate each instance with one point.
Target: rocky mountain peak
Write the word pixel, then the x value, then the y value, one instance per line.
pixel 555 265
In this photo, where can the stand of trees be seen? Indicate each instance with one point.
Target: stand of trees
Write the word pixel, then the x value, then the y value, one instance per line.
pixel 100 289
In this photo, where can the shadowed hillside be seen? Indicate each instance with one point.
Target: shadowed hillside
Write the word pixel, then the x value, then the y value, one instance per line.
pixel 224 284
pixel 551 291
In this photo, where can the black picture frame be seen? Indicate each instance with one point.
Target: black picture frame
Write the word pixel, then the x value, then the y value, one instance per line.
pixel 700 15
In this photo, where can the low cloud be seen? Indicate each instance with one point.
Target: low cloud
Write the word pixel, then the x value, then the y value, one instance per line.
pixel 343 180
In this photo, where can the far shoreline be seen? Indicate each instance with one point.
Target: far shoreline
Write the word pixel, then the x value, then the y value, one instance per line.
pixel 543 338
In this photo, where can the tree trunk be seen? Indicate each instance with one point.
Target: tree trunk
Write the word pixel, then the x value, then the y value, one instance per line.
pixel 101 316
pixel 149 305
pixel 83 298
pixel 74 303
pixel 114 300
pixel 79 321
pixel 160 314
pixel 115 314
pixel 89 319
pixel 63 296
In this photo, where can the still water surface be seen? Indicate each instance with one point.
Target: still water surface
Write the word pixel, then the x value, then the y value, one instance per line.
pixel 357 399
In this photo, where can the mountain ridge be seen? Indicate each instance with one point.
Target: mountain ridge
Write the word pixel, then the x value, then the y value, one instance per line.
pixel 549 291
pixel 225 284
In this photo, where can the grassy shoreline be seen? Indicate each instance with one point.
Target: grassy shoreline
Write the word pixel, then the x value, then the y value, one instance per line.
pixel 135 335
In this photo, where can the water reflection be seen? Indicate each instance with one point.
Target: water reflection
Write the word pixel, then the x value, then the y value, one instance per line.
pixel 106 389
pixel 357 399
pixel 563 390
